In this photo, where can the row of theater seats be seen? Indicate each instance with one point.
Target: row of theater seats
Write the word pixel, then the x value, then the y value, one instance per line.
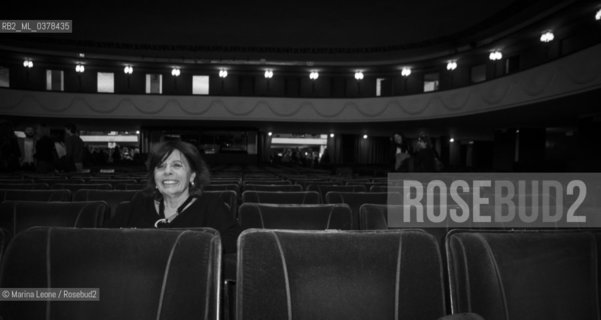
pixel 343 210
pixel 286 274
pixel 114 198
pixel 17 216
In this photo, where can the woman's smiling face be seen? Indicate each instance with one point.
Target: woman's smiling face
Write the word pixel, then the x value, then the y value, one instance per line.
pixel 173 175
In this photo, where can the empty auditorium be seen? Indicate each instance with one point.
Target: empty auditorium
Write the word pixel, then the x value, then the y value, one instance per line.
pixel 385 160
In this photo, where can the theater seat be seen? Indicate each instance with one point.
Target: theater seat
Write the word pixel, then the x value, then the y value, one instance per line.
pixel 324 189
pixel 77 186
pixel 285 216
pixel 282 197
pixel 17 216
pixel 229 197
pixel 112 197
pixel 35 195
pixel 221 187
pixel 375 217
pixel 514 275
pixel 273 187
pixel 140 274
pixel 350 275
pixel 356 199
pixel 25 185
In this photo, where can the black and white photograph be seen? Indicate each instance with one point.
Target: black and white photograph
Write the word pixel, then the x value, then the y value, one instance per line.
pixel 381 160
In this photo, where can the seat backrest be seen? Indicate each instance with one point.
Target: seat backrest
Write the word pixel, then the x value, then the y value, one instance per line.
pixel 140 273
pixel 229 197
pixel 223 186
pixel 130 186
pixel 265 182
pixel 356 199
pixel 287 216
pixel 112 197
pixel 273 187
pixel 338 275
pixel 282 197
pixel 324 189
pixel 35 195
pixel 76 186
pixel 122 210
pixel 17 216
pixel 524 274
pixel 25 185
pixel 375 217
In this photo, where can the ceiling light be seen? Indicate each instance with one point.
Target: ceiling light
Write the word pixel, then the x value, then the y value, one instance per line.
pixel 547 36
pixel 495 55
pixel 359 75
pixel 452 140
pixel 268 74
pixel 598 15
pixel 332 135
pixel 364 136
pixel 222 73
pixel 80 68
pixel 175 72
pixel 269 133
pixel 128 69
pixel 137 131
pixel 452 65
pixel 406 71
pixel 28 63
pixel 314 75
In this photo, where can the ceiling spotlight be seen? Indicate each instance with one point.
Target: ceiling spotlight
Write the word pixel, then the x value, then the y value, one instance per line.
pixel 359 75
pixel 332 135
pixel 547 36
pixel 364 136
pixel 495 55
pixel 598 15
pixel 222 73
pixel 28 63
pixel 452 65
pixel 128 69
pixel 80 68
pixel 268 74
pixel 175 72
pixel 314 75
pixel 406 71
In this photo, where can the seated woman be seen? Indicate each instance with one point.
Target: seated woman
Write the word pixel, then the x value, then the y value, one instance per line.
pixel 174 197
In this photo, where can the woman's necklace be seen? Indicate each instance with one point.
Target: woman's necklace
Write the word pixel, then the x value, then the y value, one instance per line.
pixel 163 219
